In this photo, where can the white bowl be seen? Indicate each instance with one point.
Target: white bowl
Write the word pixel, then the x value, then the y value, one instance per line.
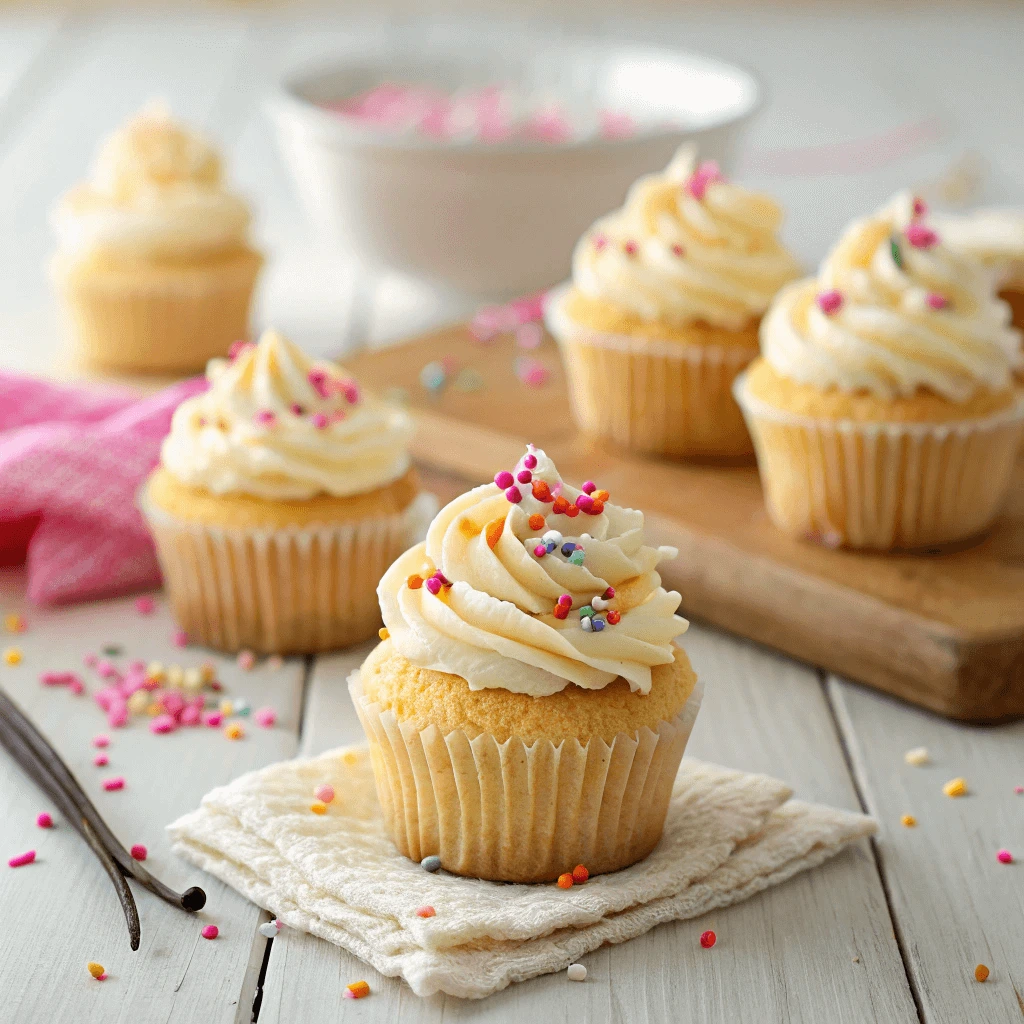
pixel 497 219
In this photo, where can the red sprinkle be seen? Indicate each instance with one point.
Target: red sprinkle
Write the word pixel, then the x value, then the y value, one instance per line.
pixel 116 782
pixel 631 248
pixel 937 301
pixel 678 250
pixel 921 237
pixel 22 859
pixel 830 302
pixel 139 852
pixel 920 207
pixel 211 931
pixel 44 820
pixel 614 617
pixel 580 874
pixel 708 939
pixel 1004 857
pixel 425 912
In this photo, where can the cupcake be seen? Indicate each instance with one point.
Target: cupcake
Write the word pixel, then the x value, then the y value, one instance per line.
pixel 153 259
pixel 663 311
pixel 528 709
pixel 282 495
pixel 883 409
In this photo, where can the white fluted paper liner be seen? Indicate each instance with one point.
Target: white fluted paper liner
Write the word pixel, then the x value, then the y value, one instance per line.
pixel 656 396
pixel 521 812
pixel 882 485
pixel 728 835
pixel 291 590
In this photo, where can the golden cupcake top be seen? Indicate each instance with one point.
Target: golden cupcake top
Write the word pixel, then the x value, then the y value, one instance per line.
pixel 687 247
pixel 894 311
pixel 156 189
pixel 278 425
pixel 529 584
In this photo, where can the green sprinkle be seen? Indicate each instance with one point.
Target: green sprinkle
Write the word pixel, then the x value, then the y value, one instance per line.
pixel 113 651
pixel 469 380
pixel 576 558
pixel 586 612
pixel 897 256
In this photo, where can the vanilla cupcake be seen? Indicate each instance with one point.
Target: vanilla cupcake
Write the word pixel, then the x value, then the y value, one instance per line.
pixel 154 259
pixel 883 409
pixel 663 311
pixel 282 495
pixel 528 709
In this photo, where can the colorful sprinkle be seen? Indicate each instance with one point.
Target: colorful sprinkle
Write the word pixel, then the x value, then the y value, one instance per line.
pixel 631 248
pixel 13 656
pixel 434 585
pixel 614 617
pixel 514 495
pixel 576 558
pixel 702 177
pixel 431 863
pixel 542 492
pixel 44 820
pixel 211 931
pixel 234 731
pixel 897 255
pixel 524 476
pixel 504 479
pixel 919 207
pixel 708 939
pixel 917 756
pixel 600 241
pixel 425 912
pixel 213 719
pixel 955 787
pixel 266 718
pixel 414 582
pixel 357 990
pixel 22 859
pixel 95 969
pixel 921 237
pixel 179 638
pixel 269 928
pixel 576 972
pixel 830 302
pixel 585 503
pixel 536 521
pixel 101 760
pixel 383 633
pixel 540 550
pixel 324 793
pixel 565 880
pixel 580 874
pixel 981 973
pixel 908 821
pixel 15 623
pixel 1004 857
pixel 1018 790
pixel 678 250
pixel 530 460
pixel 265 417
pixel 320 420
pixel 139 852
pixel 433 376
pixel 937 301
pixel 145 605
pixel 114 783
pixel 318 807
pixel 246 660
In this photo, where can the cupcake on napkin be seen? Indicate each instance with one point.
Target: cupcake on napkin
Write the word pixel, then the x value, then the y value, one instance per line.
pixel 528 709
pixel 663 311
pixel 282 496
pixel 884 410
pixel 154 259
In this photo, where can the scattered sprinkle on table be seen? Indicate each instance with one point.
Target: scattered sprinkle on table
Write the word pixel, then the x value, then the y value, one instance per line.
pixel 44 820
pixel 708 939
pixel 357 990
pixel 101 760
pixel 15 623
pixel 565 880
pixel 179 638
pixel 266 717
pixel 234 731
pixel 117 782
pixel 211 931
pixel 917 757
pixel 269 929
pixel 324 793
pixel 139 852
pixel 101 741
pixel 96 970
pixel 22 859
pixel 13 655
pixel 1018 790
pixel 145 605
pixel 576 972
pixel 431 863
pixel 246 660
pixel 955 787
pixel 908 820
pixel 425 912
pixel 981 973
pixel 1004 857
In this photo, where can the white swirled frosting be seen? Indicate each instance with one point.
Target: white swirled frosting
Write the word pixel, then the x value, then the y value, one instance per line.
pixel 278 425
pixel 894 310
pixel 495 625
pixel 156 190
pixel 687 246
pixel 994 237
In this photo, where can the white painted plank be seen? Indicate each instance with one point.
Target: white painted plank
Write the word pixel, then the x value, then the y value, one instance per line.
pixel 23 39
pixel 62 911
pixel 787 955
pixel 955 905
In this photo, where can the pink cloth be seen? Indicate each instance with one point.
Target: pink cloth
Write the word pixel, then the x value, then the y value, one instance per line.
pixel 71 460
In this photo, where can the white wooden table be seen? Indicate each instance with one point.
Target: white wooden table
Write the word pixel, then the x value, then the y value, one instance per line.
pixel 889 931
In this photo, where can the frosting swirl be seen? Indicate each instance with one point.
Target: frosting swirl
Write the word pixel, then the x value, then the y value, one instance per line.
pixel 278 425
pixel 510 605
pixel 687 246
pixel 894 310
pixel 156 190
pixel 993 237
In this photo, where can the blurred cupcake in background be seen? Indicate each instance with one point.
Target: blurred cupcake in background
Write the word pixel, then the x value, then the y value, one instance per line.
pixel 282 495
pixel 153 253
pixel 663 311
pixel 884 409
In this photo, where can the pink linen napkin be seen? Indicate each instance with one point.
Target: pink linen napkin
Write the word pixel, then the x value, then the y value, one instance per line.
pixel 71 460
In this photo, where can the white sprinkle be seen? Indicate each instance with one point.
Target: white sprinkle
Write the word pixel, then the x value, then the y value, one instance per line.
pixel 599 604
pixel 587 623
pixel 917 757
pixel 268 930
pixel 552 537
pixel 577 972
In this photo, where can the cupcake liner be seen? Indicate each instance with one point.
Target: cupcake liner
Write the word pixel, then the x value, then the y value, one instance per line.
pixel 519 812
pixel 159 321
pixel 281 591
pixel 882 485
pixel 664 397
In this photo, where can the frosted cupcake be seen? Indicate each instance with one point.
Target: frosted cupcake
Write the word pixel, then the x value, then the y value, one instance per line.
pixel 883 409
pixel 153 258
pixel 663 311
pixel 528 708
pixel 282 495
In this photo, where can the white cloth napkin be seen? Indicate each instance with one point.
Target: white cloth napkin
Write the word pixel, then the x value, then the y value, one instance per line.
pixel 728 835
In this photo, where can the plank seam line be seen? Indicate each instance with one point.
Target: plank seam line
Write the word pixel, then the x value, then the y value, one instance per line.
pixel 859 790
pixel 309 662
pixel 257 999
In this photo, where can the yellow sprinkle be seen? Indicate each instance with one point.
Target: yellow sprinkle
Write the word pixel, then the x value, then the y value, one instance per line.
pixel 156 672
pixel 12 655
pixel 955 787
pixel 138 702
pixel 14 623
pixel 318 807
pixel 909 820
pixel 234 731
pixel 208 671
pixel 95 969
pixel 349 758
pixel 383 633
pixel 226 707
pixel 358 989
pixel 917 757
pixel 154 709
pixel 193 680
pixel 981 973
pixel 175 676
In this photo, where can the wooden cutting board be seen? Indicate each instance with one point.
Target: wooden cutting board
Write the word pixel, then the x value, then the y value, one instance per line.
pixel 942 629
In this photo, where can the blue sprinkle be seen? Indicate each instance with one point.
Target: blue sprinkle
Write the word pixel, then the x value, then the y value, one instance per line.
pixel 550 546
pixel 598 625
pixel 568 548
pixel 431 863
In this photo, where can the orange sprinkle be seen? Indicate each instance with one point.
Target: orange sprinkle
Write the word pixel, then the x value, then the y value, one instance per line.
pixel 561 505
pixel 318 807
pixel 494 531
pixel 414 582
pixel 383 633
pixel 600 495
pixel 536 521
pixel 955 787
pixel 98 972
pixel 597 508
pixel 580 874
pixel 565 881
pixel 981 973
pixel 425 912
pixel 234 731
pixel 541 490
pixel 357 990
pixel 909 820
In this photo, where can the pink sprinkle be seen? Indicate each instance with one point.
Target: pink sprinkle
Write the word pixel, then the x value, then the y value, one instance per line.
pixel 89 660
pixel 830 302
pixel 245 660
pixel 524 476
pixel 179 638
pixel 190 715
pixel 678 250
pixel 297 409
pixel 117 782
pixel 565 600
pixel 350 389
pixel 530 461
pixel 324 793
pixel 266 717
pixel 609 594
pixel 433 585
pixel 265 417
pixel 425 912
pixel 101 741
pixel 55 678
pixel 145 605
pixel 514 495
pixel 937 301
pixel 213 719
pixel 584 503
pixel 162 724
pixel 920 207
pixel 921 237
pixel 631 248
pixel 139 852
pixel 22 859
pixel 600 241
pixel 117 717
pixel 76 686
pixel 101 760
pixel 173 703
pixel 616 125
pixel 1018 790
pixel 705 174
pixel 318 380
pixel 1004 857
pixel 320 421
pixel 504 479
pixel 348 994
pixel 540 550
pixel 211 931
pixel 106 669
pixel 529 335
pixel 237 348
pixel 548 125
pixel 589 487
pixel 44 820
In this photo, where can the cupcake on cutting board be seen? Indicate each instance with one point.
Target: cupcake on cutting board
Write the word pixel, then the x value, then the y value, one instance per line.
pixel 883 408
pixel 282 495
pixel 154 260
pixel 663 311
pixel 528 708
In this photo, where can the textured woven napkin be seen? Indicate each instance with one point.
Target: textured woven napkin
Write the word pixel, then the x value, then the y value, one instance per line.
pixel 728 835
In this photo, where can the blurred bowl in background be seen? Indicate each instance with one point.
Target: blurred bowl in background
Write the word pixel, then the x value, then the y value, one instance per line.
pixel 496 219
